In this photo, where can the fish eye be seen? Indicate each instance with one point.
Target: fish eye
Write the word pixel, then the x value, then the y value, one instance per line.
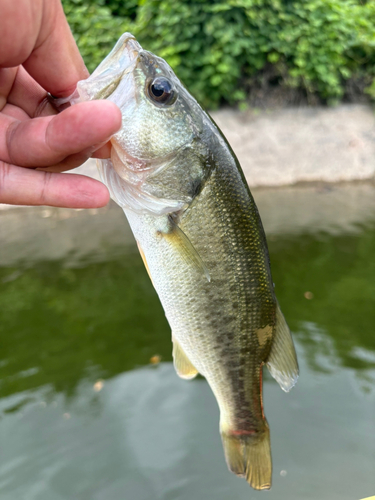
pixel 161 91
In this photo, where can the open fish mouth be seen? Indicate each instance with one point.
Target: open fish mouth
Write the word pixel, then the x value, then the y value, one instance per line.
pixel 111 74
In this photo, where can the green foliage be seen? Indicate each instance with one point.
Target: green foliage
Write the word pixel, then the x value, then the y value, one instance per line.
pixel 123 8
pixel 220 48
pixel 94 27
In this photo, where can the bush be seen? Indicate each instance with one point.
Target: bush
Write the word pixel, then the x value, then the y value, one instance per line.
pixel 94 27
pixel 221 49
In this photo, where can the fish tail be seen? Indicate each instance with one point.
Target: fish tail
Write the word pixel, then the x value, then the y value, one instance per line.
pixel 248 454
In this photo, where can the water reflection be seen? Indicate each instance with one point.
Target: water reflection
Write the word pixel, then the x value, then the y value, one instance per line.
pixel 61 324
pixel 148 434
pixel 85 414
pixel 340 273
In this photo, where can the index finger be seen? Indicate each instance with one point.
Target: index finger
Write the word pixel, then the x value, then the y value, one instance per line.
pixel 35 33
pixel 55 62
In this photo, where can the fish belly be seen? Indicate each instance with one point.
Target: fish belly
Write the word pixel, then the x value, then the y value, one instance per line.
pixel 224 326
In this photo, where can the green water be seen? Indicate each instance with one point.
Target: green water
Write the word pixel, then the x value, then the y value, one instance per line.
pixel 68 322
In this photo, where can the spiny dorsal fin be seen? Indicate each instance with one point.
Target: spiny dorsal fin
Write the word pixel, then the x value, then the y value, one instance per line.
pixel 182 365
pixel 187 251
pixel 282 360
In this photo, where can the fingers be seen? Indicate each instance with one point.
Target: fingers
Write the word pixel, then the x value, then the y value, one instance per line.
pixel 103 152
pixel 46 141
pixel 78 159
pixel 20 24
pixel 29 96
pixel 20 186
pixel 72 161
pixel 55 62
pixel 7 77
pixel 36 33
pixel 15 113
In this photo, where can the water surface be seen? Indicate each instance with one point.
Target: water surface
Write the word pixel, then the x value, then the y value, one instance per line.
pixel 86 413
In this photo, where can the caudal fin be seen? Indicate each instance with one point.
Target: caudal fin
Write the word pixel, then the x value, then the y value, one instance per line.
pixel 249 455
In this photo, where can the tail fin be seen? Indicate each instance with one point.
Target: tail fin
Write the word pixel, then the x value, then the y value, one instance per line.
pixel 249 455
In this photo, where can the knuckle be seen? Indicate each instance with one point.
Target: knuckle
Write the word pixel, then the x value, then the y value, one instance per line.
pixel 5 172
pixel 44 194
pixel 10 140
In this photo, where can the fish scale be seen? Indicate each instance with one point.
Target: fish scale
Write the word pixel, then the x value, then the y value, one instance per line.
pixel 202 241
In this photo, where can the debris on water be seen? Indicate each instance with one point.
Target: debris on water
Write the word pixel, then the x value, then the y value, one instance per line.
pixel 98 386
pixel 155 360
pixel 66 416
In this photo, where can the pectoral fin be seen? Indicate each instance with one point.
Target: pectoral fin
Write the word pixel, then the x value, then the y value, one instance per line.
pixel 282 360
pixel 187 251
pixel 182 365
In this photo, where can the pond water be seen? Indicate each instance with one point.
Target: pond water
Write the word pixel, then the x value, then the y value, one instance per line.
pixel 90 405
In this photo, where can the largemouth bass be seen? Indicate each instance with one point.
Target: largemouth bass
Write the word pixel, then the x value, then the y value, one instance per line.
pixel 202 241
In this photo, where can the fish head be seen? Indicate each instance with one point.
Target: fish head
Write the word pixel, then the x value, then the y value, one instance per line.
pixel 160 124
pixel 159 116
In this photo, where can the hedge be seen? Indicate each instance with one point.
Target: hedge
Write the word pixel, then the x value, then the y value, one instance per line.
pixel 221 49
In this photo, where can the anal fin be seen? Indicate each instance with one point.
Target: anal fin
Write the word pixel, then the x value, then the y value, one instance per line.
pixel 282 360
pixel 181 362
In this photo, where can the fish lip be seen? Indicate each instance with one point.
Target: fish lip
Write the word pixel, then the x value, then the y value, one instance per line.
pixel 120 61
pixel 131 47
pixel 123 54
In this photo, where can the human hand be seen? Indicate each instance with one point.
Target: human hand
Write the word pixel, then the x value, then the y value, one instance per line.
pixel 38 55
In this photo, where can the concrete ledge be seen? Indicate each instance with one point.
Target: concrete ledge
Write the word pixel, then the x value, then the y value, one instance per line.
pixel 285 147
pixel 306 144
pixel 294 145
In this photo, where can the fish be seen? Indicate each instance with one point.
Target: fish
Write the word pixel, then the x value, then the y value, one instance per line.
pixel 202 241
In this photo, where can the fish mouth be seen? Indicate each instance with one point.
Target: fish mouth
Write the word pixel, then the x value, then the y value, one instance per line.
pixel 120 62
